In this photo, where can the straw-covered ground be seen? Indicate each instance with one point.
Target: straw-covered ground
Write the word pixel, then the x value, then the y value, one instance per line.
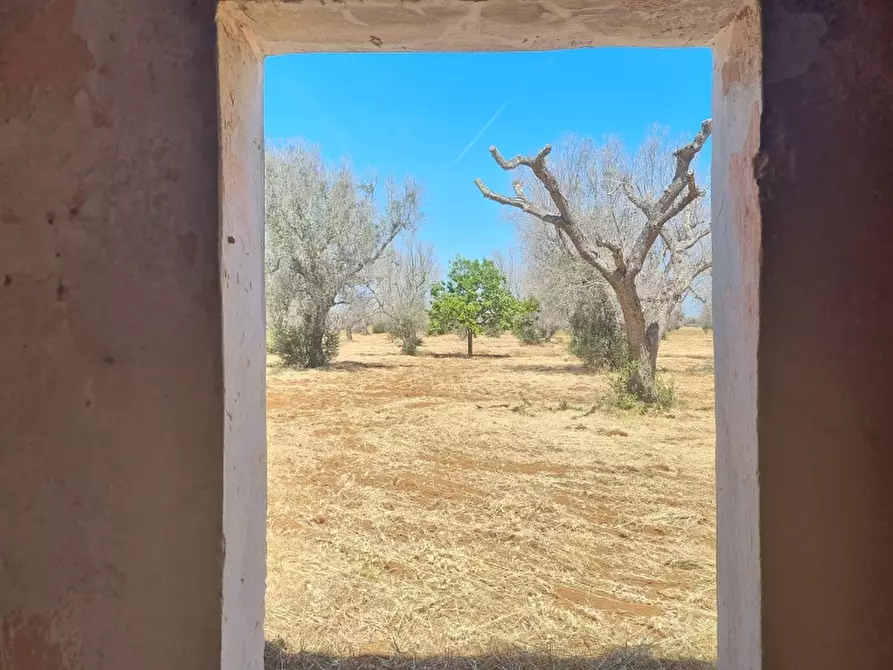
pixel 442 512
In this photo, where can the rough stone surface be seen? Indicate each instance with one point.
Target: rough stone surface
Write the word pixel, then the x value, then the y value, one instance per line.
pixel 111 402
pixel 485 25
pixel 826 318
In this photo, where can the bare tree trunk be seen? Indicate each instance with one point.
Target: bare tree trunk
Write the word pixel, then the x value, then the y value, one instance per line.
pixel 470 342
pixel 642 340
pixel 315 356
pixel 315 321
pixel 620 261
pixel 652 340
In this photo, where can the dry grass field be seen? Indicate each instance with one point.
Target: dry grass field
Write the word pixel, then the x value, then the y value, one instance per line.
pixel 488 513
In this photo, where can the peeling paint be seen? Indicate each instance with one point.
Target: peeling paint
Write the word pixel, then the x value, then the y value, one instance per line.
pixel 42 50
pixel 745 201
pixel 100 112
pixel 156 194
pixel 35 643
pixel 97 288
pixel 742 58
pixel 8 216
pixel 76 202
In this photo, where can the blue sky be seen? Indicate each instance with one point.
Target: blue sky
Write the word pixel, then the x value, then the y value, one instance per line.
pixel 415 114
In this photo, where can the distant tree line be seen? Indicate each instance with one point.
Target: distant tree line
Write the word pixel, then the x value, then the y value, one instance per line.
pixel 611 245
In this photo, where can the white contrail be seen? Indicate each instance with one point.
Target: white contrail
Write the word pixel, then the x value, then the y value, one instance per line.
pixel 502 107
pixel 482 130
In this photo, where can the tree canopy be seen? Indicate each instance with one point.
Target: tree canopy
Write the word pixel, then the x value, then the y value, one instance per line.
pixel 325 230
pixel 475 297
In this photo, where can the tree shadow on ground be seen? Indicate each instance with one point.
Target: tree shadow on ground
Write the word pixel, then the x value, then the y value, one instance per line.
pixel 278 657
pixel 458 355
pixel 569 369
pixel 695 357
pixel 353 366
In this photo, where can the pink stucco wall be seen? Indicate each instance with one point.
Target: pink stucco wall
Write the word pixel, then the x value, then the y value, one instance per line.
pixel 132 473
pixel 111 367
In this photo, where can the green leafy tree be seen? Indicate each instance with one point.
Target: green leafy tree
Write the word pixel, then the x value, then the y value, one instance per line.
pixel 475 297
pixel 528 325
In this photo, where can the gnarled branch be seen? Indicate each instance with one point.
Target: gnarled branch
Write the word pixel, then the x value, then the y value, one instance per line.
pixel 541 171
pixel 512 163
pixel 670 205
pixel 564 221
pixel 640 203
pixel 681 245
pixel 519 202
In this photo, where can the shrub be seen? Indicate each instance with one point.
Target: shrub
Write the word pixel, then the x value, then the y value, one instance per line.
pixel 621 397
pixel 706 318
pixel 409 345
pixel 597 336
pixel 675 322
pixel 528 328
pixel 293 346
pixel 493 331
pixel 407 333
pixel 379 327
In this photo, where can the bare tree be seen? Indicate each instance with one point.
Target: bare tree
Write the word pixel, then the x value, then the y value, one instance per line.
pixel 325 230
pixel 705 319
pixel 403 280
pixel 354 311
pixel 509 264
pixel 558 281
pixel 634 220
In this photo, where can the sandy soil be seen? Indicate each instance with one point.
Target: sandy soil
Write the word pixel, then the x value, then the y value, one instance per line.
pixel 444 507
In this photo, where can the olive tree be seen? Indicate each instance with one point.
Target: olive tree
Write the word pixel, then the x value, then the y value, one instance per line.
pixel 400 291
pixel 559 282
pixel 638 221
pixel 354 310
pixel 324 230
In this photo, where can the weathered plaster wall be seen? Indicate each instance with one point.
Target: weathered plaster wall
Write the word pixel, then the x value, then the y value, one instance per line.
pixel 826 321
pixel 482 25
pixel 244 346
pixel 124 285
pixel 111 401
pixel 737 93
